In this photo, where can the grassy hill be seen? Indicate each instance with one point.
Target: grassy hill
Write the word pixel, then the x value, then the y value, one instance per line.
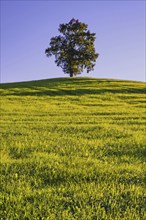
pixel 73 149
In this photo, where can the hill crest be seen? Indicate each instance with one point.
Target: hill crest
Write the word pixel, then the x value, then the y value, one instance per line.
pixel 72 86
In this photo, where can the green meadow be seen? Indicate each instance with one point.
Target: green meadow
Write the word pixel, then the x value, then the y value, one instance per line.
pixel 73 148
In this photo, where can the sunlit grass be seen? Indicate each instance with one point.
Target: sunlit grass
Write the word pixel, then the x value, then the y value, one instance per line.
pixel 73 149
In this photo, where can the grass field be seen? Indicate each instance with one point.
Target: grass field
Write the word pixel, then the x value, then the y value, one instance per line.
pixel 73 149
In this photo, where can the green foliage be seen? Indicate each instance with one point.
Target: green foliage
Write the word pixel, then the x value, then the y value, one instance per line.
pixel 74 49
pixel 73 149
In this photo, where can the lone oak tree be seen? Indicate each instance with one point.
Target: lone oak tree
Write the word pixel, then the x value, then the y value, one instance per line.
pixel 74 49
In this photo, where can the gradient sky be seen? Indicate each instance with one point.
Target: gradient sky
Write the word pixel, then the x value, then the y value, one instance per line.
pixel 27 26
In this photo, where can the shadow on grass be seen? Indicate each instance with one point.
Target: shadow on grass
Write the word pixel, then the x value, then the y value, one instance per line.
pixel 77 92
pixel 74 87
pixel 137 153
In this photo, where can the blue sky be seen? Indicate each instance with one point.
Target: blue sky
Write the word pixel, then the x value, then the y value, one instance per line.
pixel 27 26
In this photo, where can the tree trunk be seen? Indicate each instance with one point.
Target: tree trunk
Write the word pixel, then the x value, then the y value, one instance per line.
pixel 71 74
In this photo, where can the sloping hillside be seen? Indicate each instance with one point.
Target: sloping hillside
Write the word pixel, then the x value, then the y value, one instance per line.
pixel 73 149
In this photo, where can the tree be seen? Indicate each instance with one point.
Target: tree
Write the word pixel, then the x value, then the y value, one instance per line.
pixel 74 50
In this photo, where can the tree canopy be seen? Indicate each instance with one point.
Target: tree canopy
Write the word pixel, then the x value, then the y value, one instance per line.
pixel 74 49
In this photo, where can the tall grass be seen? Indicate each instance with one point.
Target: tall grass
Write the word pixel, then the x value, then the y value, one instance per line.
pixel 73 149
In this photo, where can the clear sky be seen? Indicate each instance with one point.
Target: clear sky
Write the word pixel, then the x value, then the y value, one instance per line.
pixel 27 26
